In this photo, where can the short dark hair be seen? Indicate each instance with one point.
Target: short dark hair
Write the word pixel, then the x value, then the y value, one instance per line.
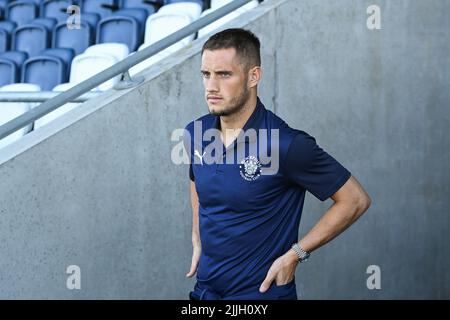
pixel 245 43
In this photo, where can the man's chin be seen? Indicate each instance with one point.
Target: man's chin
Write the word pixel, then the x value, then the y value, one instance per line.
pixel 217 111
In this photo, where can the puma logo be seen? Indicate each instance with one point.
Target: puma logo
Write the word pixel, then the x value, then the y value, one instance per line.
pixel 197 153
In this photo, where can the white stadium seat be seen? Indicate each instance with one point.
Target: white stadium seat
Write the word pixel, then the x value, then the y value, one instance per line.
pixel 88 64
pixel 11 110
pixel 161 25
pixel 219 3
pixel 191 8
pixel 218 24
pixel 118 50
pixel 59 111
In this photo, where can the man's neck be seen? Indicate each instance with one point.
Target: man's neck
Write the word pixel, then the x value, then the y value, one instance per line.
pixel 238 120
pixel 230 126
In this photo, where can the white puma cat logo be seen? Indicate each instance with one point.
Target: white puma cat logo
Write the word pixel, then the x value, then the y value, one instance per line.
pixel 197 153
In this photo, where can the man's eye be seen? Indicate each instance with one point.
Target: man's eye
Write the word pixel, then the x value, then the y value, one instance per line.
pixel 225 75
pixel 205 75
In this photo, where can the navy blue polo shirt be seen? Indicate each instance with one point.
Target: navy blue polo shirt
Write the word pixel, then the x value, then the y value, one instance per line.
pixel 247 218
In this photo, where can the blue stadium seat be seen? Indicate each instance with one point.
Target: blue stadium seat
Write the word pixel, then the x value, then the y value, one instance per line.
pixel 65 54
pixel 3 4
pixel 17 56
pixel 92 19
pixel 49 23
pixel 149 7
pixel 31 38
pixel 5 40
pixel 45 71
pixel 103 7
pixel 130 31
pixel 77 39
pixel 55 9
pixel 8 25
pixel 6 28
pixel 138 13
pixel 21 11
pixel 10 66
pixel 9 72
pixel 36 2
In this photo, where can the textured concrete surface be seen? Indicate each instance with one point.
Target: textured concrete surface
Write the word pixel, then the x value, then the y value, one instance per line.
pixel 97 187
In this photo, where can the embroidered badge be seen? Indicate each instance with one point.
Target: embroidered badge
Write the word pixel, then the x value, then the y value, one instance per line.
pixel 250 168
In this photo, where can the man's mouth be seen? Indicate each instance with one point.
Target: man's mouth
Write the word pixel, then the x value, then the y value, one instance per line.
pixel 213 99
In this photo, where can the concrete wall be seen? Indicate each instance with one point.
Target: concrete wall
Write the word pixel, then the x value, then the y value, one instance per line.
pixel 97 187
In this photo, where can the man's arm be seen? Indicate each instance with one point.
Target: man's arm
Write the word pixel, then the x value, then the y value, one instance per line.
pixel 350 202
pixel 196 244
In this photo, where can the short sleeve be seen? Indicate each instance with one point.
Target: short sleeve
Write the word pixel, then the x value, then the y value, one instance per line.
pixel 312 168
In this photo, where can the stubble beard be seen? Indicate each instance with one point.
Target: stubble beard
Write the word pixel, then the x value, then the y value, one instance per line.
pixel 235 106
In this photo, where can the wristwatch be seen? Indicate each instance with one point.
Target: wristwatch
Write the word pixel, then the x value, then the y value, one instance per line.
pixel 302 254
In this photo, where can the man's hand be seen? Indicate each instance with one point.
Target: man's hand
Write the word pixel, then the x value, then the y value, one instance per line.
pixel 197 250
pixel 282 271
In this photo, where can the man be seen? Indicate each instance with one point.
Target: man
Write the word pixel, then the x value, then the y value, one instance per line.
pixel 246 211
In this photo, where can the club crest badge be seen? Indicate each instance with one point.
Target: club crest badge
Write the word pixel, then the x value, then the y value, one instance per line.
pixel 250 168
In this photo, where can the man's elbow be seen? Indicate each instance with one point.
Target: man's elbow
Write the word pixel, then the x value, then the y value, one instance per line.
pixel 363 203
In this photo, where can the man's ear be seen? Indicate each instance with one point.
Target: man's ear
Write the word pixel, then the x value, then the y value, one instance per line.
pixel 254 76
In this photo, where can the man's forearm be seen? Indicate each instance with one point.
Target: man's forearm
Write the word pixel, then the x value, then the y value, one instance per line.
pixel 195 222
pixel 335 220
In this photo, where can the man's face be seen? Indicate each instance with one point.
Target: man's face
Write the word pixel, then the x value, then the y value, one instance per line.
pixel 225 82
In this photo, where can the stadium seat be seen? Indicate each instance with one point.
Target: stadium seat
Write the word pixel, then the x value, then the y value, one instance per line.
pixel 131 22
pixel 103 7
pixel 5 40
pixel 92 19
pixel 151 8
pixel 8 25
pixel 77 39
pixel 3 4
pixel 138 13
pixel 6 28
pixel 11 110
pixel 9 72
pixel 161 25
pixel 199 2
pixel 49 23
pixel 45 71
pixel 219 3
pixel 31 38
pixel 36 2
pixel 17 56
pixel 87 65
pixel 55 9
pixel 10 66
pixel 219 24
pixel 118 50
pixel 21 11
pixel 193 9
pixel 60 110
pixel 65 54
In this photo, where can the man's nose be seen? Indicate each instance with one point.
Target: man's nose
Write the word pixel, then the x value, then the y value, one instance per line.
pixel 211 85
